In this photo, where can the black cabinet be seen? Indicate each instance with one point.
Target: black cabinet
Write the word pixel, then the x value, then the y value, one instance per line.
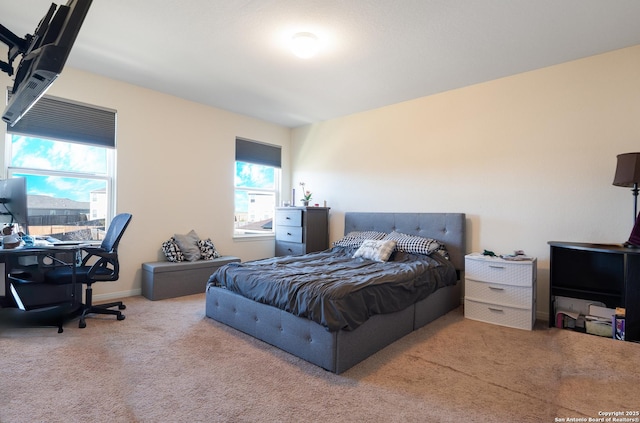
pixel 301 230
pixel 608 273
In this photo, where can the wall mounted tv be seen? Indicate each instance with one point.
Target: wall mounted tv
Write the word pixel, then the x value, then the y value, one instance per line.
pixel 44 54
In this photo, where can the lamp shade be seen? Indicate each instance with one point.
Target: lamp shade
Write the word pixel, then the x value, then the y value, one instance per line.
pixel 627 170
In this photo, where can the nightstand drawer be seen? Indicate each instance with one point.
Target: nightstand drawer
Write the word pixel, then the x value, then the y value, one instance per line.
pixel 291 217
pixel 289 233
pixel 517 296
pixel 519 318
pixel 500 271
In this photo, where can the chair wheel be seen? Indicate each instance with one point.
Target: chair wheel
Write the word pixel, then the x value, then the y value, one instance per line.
pixel 82 324
pixel 121 316
pixel 122 307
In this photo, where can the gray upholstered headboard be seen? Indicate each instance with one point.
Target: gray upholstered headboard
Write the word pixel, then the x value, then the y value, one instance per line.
pixel 448 228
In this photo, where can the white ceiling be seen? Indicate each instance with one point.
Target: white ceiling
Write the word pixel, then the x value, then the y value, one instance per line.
pixel 231 54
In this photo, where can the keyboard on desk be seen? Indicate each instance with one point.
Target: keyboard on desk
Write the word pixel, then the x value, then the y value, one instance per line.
pixel 59 243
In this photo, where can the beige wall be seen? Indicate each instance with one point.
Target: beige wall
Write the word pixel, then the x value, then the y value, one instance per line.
pixel 175 169
pixel 529 158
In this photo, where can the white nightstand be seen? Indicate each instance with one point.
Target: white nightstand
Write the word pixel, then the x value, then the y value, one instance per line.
pixel 498 291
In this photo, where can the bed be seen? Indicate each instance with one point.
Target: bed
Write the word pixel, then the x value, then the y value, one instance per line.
pixel 334 344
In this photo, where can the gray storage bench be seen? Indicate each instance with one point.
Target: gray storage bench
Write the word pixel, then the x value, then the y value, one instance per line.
pixel 167 279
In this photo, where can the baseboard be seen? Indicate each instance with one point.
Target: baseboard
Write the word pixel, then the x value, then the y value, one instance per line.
pixel 540 315
pixel 116 295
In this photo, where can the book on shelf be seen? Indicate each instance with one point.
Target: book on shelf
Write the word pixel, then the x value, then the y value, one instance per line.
pixel 618 327
pixel 568 319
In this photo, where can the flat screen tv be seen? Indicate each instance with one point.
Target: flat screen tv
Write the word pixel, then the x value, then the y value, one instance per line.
pixel 44 54
pixel 13 202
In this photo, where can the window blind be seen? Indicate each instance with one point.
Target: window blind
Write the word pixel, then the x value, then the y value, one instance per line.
pixel 258 153
pixel 65 120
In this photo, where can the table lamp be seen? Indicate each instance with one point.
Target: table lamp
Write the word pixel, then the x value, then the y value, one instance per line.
pixel 634 239
pixel 628 175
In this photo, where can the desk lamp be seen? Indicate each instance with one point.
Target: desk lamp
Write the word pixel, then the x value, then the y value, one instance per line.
pixel 628 175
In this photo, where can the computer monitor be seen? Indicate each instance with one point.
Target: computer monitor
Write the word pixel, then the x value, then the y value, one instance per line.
pixel 13 202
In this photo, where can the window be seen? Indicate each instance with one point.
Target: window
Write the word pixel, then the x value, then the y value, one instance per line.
pixel 68 165
pixel 257 187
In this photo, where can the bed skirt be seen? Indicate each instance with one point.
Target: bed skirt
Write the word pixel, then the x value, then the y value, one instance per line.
pixel 304 338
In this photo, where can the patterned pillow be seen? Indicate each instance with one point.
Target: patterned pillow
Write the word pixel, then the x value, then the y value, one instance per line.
pixel 376 250
pixel 207 249
pixel 414 244
pixel 172 251
pixel 355 238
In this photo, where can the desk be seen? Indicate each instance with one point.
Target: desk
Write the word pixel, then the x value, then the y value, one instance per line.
pixel 52 302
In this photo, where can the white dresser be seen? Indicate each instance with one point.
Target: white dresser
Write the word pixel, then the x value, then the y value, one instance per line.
pixel 498 291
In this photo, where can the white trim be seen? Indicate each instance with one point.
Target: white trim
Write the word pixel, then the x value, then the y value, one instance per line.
pixel 96 299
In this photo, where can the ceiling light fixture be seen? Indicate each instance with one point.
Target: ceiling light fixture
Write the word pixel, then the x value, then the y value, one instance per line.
pixel 304 45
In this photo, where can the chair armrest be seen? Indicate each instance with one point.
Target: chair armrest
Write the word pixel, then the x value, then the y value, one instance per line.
pixel 107 261
pixel 97 252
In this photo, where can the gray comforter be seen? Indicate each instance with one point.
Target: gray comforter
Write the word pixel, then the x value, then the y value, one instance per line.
pixel 334 289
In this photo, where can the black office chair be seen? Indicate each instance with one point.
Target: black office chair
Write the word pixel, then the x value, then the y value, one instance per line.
pixel 99 264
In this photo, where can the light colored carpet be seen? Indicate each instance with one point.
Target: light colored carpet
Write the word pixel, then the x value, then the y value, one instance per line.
pixel 168 362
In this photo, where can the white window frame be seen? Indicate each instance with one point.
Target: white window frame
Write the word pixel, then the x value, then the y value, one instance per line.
pixel 108 177
pixel 261 154
pixel 276 193
pixel 62 120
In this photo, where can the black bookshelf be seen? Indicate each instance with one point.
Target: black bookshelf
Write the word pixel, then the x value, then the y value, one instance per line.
pixel 609 273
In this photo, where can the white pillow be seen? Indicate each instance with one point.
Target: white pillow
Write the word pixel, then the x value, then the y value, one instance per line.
pixel 376 250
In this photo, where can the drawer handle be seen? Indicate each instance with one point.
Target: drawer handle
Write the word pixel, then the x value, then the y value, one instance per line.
pixel 288 218
pixel 497 310
pixel 289 233
pixel 493 266
pixel 495 288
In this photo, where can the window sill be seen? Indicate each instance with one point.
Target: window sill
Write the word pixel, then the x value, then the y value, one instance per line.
pixel 254 237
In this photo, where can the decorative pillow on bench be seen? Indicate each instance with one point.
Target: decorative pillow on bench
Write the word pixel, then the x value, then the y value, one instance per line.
pixel 172 251
pixel 189 247
pixel 207 249
pixel 188 244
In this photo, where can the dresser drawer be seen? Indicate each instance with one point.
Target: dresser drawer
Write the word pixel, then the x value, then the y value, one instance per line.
pixel 289 248
pixel 500 271
pixel 513 317
pixel 289 233
pixel 301 230
pixel 291 217
pixel 517 296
